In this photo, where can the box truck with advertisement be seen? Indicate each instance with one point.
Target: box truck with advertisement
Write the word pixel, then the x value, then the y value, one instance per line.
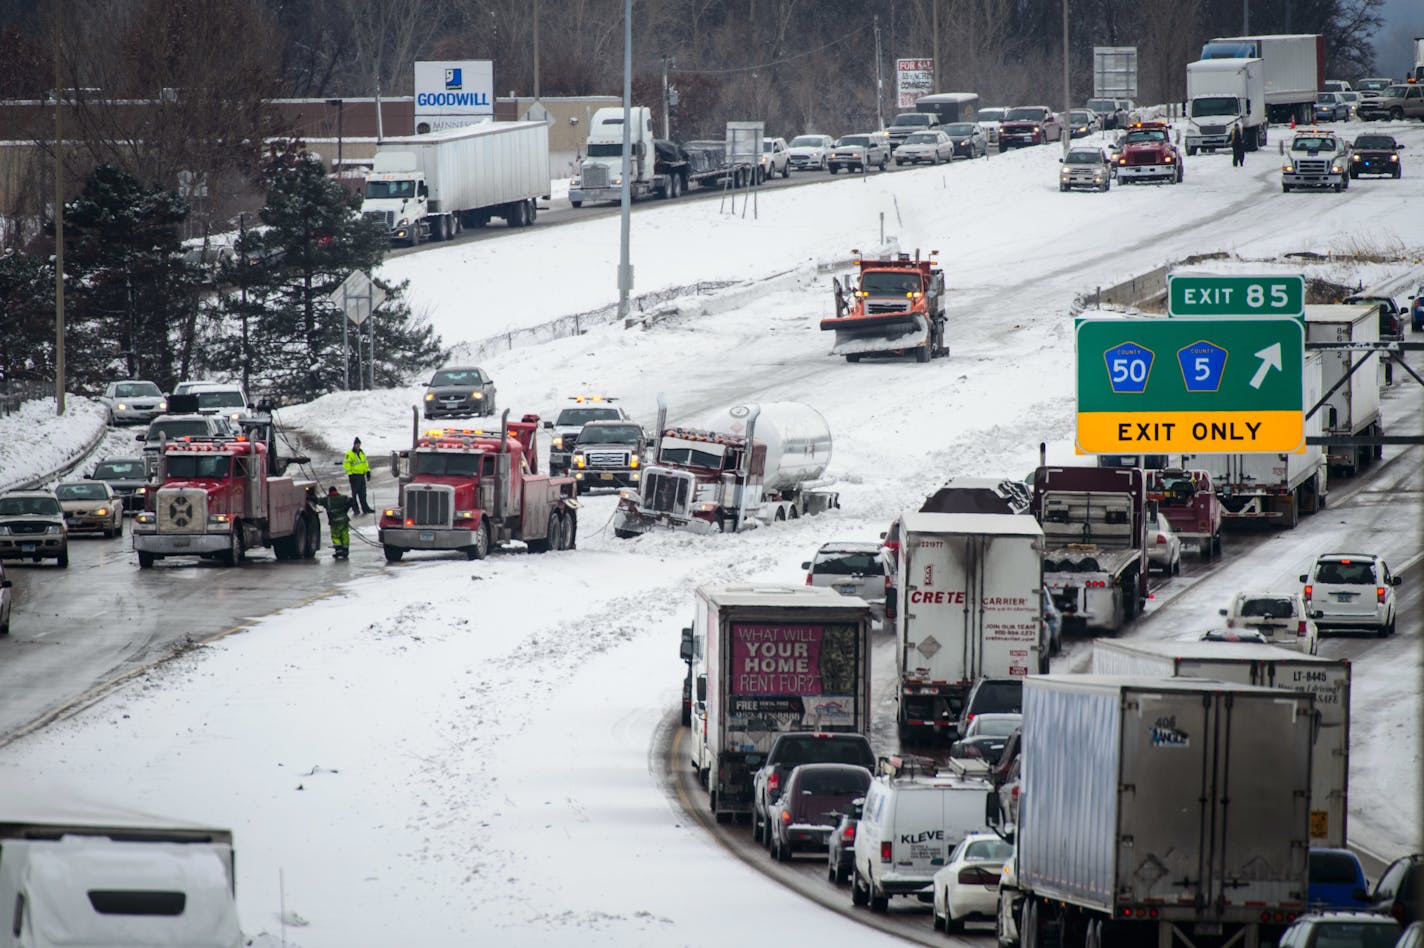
pixel 765 660
pixel 1269 666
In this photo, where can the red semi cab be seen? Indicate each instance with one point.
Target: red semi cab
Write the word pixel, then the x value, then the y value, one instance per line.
pixel 1188 500
pixel 473 489
pixel 1149 154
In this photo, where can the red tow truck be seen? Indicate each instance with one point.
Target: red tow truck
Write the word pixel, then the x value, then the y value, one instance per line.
pixel 220 497
pixel 472 489
pixel 1149 154
pixel 1188 500
pixel 896 308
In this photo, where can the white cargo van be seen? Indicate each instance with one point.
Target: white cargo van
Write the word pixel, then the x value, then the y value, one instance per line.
pixel 911 820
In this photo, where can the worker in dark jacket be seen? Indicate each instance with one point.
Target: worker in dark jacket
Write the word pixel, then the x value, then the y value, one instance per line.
pixel 1238 147
pixel 338 517
pixel 357 470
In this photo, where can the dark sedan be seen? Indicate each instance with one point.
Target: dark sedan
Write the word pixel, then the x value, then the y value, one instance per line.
pixel 459 392
pixel 126 477
pixel 1376 154
pixel 840 848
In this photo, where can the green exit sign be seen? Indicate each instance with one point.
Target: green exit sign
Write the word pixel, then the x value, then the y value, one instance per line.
pixel 1236 296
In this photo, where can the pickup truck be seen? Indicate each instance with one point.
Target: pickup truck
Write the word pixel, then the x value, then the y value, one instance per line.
pixel 1029 125
pixel 1315 158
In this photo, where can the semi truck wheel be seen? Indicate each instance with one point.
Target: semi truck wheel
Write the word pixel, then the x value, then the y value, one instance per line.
pixel 482 544
pixel 145 560
pixel 393 553
pixel 576 203
pixel 312 542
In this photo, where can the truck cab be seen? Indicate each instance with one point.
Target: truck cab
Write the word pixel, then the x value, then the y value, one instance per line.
pixel 598 176
pixel 907 123
pixel 895 306
pixel 609 454
pixel 397 195
pixel 1148 154
pixel 564 429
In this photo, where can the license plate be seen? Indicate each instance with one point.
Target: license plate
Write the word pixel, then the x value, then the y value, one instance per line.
pixel 182 541
pixel 1344 597
pixel 27 547
pixel 605 477
pixel 427 536
pixel 845 589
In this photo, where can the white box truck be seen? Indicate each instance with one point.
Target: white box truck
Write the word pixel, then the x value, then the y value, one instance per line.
pixel 1161 811
pixel 769 659
pixel 430 187
pixel 1268 666
pixel 73 874
pixel 1352 378
pixel 969 605
pixel 1294 70
pixel 1225 94
pixel 1274 487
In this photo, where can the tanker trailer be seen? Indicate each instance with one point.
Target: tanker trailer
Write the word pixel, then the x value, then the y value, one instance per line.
pixel 736 468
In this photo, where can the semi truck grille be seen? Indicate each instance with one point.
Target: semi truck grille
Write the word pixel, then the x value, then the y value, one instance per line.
pixel 1144 158
pixel 608 458
pixel 664 492
pixel 890 307
pixel 595 176
pixel 1213 130
pixel 182 510
pixel 429 505
pixel 388 218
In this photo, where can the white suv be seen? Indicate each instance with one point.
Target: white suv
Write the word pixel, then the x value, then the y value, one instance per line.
pixel 1351 590
pixel 1281 617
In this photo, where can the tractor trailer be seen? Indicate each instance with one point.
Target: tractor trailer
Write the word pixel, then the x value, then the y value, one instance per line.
pixel 1293 70
pixel 1222 95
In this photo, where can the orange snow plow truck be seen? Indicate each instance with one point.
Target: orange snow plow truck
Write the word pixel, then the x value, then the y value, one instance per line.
pixel 895 308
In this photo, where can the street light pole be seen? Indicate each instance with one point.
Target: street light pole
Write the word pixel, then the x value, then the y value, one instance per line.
pixel 879 81
pixel 934 42
pixel 340 135
pixel 625 268
pixel 1065 135
pixel 58 226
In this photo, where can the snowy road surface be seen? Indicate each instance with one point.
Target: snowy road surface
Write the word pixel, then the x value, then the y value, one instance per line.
pixel 452 752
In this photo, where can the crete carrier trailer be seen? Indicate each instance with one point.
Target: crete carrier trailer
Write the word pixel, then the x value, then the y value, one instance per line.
pixel 1352 408
pixel 769 659
pixel 743 466
pixel 968 606
pixel 1269 666
pixel 1161 812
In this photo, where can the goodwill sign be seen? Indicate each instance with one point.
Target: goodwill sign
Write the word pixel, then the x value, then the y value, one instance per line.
pixel 463 88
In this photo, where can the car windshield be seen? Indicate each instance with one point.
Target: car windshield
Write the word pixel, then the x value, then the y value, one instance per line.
pixel 29 506
pixel 823 750
pixel 390 189
pixel 688 456
pixel 116 470
pixel 1023 115
pixel 1326 98
pixel 808 141
pixel 1146 135
pixel 887 283
pixel 609 434
pixel 914 118
pixel 581 416
pixel 1083 158
pixel 136 390
pixel 80 492
pixel 449 463
pixel 847 563
pixel 457 377
pixel 768 146
pixel 191 466
pixel 1000 696
pixel 1313 144
pixel 1080 118
pixel 988 850
pixel 1214 105
pixel 1396 92
pixel 220 399
pixel 960 128
pixel 921 138
pixel 173 430
pixel 1373 85
pixel 991 115
pixel 994 726
pixel 1375 141
pixel 1346 573
pixel 846 141
pixel 1269 607
pixel 1351 934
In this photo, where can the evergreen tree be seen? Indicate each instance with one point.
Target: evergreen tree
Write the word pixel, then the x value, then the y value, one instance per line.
pixel 283 274
pixel 130 284
pixel 27 300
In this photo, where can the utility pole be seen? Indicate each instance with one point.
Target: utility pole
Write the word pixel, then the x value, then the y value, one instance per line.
pixel 625 268
pixel 934 41
pixel 58 225
pixel 242 284
pixel 1245 17
pixel 536 50
pixel 879 81
pixel 667 127
pixel 1067 91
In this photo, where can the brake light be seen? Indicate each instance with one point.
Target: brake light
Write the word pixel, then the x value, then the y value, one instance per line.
pixel 773 783
pixel 808 579
pixel 885 851
pixel 1379 594
pixel 1161 539
pixel 1308 590
pixel 1014 792
pixel 785 817
pixel 849 834
pixel 1300 628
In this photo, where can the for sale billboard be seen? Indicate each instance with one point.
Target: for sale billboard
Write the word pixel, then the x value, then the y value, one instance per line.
pixel 913 78
pixel 452 93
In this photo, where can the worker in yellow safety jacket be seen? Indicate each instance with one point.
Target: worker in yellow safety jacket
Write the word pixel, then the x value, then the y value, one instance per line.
pixel 357 470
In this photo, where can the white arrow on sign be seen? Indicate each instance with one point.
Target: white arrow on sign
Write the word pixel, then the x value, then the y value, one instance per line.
pixel 1270 359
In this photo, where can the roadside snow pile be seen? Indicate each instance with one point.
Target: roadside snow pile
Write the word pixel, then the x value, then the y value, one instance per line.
pixel 25 458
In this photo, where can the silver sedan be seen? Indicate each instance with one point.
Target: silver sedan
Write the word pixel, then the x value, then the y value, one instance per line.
pixel 930 147
pixel 91 507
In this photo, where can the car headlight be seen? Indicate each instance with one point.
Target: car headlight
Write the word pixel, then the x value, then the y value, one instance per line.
pixel 54 528
pixel 1336 168
pixel 557 442
pixel 163 406
pixel 102 512
pixel 618 179
pixel 218 519
pixel 121 407
pixel 145 518
pixel 403 222
pixel 430 396
pixel 574 181
pixel 1288 169
pixel 1354 157
pixel 1063 174
pixel 4 530
pixel 633 461
pixel 580 461
pixel 477 395
pixel 464 515
pixel 392 512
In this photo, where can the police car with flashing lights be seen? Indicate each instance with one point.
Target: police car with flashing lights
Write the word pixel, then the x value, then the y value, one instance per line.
pixel 565 428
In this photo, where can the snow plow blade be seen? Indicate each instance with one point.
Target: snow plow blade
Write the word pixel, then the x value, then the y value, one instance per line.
pixel 878 332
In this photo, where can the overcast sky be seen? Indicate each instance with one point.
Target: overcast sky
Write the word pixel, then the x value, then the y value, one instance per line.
pixel 1394 46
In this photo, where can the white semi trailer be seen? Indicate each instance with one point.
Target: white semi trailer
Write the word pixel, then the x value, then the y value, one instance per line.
pixel 1222 95
pixel 430 187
